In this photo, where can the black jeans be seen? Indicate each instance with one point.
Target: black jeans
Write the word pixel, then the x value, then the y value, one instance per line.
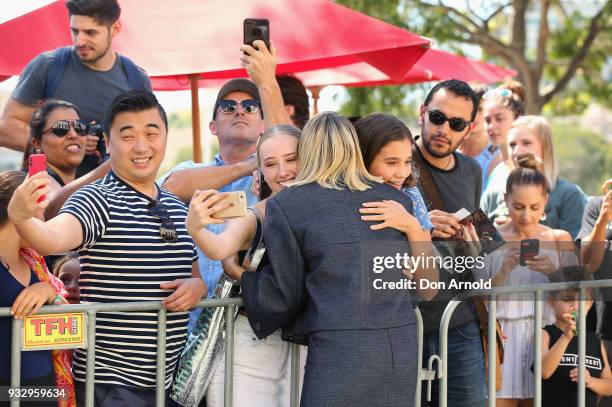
pixel 111 395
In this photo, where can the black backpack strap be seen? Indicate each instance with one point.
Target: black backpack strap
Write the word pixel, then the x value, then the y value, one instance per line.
pixel 55 72
pixel 426 180
pixel 134 76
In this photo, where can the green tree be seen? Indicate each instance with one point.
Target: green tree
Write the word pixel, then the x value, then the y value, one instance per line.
pixel 179 119
pixel 575 147
pixel 545 41
pixel 390 99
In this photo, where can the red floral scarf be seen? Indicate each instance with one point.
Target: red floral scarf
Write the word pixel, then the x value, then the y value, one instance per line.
pixel 62 359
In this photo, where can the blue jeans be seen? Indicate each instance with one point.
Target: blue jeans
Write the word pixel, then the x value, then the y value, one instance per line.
pixel 466 367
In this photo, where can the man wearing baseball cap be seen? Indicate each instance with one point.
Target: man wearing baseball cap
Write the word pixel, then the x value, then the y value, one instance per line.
pixel 237 122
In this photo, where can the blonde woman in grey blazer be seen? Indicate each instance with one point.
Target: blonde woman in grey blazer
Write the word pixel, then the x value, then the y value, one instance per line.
pixel 327 272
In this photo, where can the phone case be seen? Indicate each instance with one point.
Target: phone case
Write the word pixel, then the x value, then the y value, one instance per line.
pixel 529 249
pixel 257 29
pixel 36 164
pixel 238 208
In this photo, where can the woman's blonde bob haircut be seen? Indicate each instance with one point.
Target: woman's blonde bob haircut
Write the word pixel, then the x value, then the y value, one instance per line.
pixel 542 130
pixel 329 155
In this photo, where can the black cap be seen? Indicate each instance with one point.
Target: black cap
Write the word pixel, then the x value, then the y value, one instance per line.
pixel 237 85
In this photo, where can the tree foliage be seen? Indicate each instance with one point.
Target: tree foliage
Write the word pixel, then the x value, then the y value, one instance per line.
pixel 574 147
pixel 559 52
pixel 389 99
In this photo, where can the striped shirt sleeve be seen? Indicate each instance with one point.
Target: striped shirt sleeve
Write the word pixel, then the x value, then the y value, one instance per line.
pixel 90 207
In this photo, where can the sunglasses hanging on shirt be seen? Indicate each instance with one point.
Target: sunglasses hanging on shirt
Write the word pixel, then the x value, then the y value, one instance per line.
pixel 167 230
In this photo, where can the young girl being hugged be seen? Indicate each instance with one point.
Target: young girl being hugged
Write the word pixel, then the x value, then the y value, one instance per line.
pixel 560 350
pixel 386 147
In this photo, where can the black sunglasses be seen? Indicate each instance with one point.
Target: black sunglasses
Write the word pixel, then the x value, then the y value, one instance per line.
pixel 167 230
pixel 61 127
pixel 455 123
pixel 229 106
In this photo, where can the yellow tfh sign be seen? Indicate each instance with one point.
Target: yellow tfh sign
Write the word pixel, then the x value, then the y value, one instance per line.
pixel 54 331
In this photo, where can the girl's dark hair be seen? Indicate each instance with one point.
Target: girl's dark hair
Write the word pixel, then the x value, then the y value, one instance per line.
pixel 38 124
pixel 375 131
pixel 9 181
pixel 526 173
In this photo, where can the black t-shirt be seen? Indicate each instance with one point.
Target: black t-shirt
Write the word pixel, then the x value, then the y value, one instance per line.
pixel 460 187
pixel 558 390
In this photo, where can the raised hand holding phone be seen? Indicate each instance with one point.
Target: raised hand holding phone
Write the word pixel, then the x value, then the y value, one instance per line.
pixel 28 200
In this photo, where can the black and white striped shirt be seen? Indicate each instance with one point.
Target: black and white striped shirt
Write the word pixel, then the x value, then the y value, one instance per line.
pixel 123 258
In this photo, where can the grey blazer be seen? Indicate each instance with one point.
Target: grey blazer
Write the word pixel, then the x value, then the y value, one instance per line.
pixel 321 265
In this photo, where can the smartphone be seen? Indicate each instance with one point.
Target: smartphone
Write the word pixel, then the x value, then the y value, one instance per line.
pixel 264 189
pixel 37 163
pixel 529 249
pixel 257 29
pixel 238 202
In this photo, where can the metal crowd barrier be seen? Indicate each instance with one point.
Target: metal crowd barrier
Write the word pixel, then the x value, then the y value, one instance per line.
pixel 230 303
pixel 538 290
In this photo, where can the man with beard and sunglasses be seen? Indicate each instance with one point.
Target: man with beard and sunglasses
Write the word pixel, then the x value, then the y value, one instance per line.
pixel 446 118
pixel 89 75
pixel 132 245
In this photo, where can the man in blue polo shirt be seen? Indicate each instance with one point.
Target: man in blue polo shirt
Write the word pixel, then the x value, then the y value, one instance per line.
pixel 237 122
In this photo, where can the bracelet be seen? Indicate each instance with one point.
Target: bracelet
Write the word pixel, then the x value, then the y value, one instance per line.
pixel 58 300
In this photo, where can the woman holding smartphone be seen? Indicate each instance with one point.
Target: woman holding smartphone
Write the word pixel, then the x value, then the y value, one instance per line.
pixel 57 131
pixel 527 192
pixel 320 282
pixel 261 373
pixel 25 286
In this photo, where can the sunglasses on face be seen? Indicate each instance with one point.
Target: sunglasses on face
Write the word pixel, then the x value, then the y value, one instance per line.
pixel 229 106
pixel 62 127
pixel 455 123
pixel 167 230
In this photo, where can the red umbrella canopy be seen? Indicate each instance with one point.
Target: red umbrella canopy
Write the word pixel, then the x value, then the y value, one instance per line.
pixel 435 65
pixel 195 36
